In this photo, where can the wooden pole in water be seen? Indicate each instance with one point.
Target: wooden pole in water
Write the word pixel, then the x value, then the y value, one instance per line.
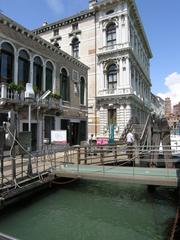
pixel 2 141
pixel 78 156
pixel 172 237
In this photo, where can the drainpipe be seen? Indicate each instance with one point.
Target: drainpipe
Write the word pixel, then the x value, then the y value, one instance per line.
pixel 95 74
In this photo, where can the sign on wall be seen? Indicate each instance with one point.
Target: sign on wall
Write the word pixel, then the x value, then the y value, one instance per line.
pixel 58 136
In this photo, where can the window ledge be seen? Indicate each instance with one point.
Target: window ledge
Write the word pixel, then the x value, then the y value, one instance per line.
pixel 74 33
pixel 55 38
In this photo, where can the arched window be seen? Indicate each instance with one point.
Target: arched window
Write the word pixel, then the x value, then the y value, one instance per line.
pixel 111 34
pixel 112 76
pixel 82 91
pixel 75 48
pixel 6 63
pixel 64 85
pixel 49 76
pixel 23 67
pixel 38 73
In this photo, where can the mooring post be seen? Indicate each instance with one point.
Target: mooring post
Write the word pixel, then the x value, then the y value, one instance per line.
pixel 101 159
pixel 78 156
pixel 85 155
pixel 2 167
pixel 115 154
pixel 22 156
pixel 13 164
pixel 55 158
pixel 2 141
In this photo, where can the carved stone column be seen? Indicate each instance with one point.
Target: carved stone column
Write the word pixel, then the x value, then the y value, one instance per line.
pixel 31 70
pixel 16 67
pixel 44 78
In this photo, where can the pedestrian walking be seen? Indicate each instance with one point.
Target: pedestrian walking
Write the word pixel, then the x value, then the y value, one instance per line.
pixel 130 141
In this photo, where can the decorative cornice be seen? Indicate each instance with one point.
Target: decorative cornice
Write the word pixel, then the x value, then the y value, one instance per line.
pixel 139 24
pixel 113 53
pixel 66 21
pixel 27 33
pixel 97 7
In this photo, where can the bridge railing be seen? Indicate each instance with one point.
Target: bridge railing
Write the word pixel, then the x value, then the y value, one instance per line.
pixel 14 169
pixel 116 155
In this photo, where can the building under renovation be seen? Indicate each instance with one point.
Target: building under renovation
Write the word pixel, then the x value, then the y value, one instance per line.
pixel 27 58
pixel 110 39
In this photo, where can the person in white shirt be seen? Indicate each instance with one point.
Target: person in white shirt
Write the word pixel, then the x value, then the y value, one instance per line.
pixel 130 142
pixel 130 138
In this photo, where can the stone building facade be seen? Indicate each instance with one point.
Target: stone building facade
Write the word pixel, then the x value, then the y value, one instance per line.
pixel 110 39
pixel 27 58
pixel 176 109
pixel 168 107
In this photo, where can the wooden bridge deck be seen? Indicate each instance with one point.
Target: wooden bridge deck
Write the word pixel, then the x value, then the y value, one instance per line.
pixel 147 176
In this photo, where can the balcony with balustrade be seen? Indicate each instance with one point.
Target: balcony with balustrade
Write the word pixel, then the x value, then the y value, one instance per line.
pixel 124 92
pixel 115 91
pixel 11 94
pixel 112 48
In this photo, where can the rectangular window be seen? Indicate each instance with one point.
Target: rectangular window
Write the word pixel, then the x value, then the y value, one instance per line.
pixel 76 51
pixel 23 71
pixel 75 26
pixel 48 79
pixel 56 32
pixel 6 67
pixel 37 76
pixel 112 116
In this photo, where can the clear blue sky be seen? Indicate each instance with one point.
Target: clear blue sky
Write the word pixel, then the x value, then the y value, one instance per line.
pixel 161 19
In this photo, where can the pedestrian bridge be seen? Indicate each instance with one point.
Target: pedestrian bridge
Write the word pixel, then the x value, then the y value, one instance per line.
pixel 139 175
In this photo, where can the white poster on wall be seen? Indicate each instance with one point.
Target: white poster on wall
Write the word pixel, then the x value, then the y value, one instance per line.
pixel 59 137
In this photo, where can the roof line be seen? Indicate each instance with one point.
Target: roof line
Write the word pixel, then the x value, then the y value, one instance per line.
pixel 12 24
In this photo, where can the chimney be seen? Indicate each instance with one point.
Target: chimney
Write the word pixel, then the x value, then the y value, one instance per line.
pixel 44 24
pixel 92 3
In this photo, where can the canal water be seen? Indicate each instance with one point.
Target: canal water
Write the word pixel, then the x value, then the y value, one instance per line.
pixel 87 210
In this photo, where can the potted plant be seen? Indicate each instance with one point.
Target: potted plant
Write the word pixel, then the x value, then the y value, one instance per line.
pixel 13 86
pixel 16 87
pixel 20 88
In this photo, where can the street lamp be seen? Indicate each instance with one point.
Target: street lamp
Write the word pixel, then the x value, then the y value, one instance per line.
pixel 29 96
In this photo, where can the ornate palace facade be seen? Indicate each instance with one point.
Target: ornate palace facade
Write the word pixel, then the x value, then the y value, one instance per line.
pixel 109 38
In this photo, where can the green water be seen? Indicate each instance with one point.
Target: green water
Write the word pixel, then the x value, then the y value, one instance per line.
pixel 90 210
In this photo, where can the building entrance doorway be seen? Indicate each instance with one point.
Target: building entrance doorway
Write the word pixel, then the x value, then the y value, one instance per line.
pixel 74 128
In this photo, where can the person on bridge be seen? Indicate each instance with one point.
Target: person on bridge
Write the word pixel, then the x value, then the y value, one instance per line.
pixel 130 141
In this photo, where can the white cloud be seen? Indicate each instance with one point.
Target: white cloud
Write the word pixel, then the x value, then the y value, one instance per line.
pixel 173 84
pixel 57 6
